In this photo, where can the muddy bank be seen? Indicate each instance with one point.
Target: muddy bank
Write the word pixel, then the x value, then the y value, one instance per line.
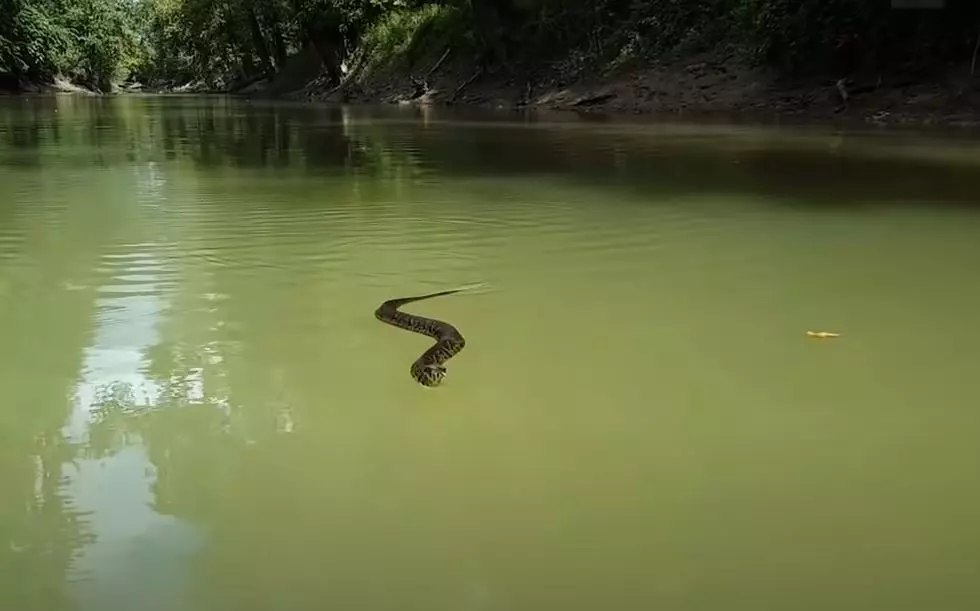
pixel 710 85
pixel 12 85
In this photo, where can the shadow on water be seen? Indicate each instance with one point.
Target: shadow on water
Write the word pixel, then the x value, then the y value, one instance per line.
pixel 835 169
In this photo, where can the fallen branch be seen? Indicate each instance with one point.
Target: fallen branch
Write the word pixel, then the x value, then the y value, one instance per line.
pixel 460 89
pixel 599 98
pixel 973 62
pixel 438 63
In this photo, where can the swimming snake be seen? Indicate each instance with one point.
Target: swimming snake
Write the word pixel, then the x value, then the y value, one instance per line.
pixel 429 369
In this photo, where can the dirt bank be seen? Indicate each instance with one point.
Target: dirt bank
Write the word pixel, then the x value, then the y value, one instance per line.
pixel 714 84
pixel 11 85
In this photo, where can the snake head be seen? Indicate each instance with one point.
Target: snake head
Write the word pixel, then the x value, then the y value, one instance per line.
pixel 429 375
pixel 435 374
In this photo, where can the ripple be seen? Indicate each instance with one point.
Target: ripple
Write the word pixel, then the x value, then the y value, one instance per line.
pixel 641 326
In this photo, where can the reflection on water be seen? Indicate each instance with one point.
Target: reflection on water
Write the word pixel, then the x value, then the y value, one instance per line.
pixel 203 413
pixel 140 556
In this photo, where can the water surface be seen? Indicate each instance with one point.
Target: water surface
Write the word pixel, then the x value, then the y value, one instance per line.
pixel 201 412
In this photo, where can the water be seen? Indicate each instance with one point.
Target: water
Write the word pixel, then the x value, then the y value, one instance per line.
pixel 201 412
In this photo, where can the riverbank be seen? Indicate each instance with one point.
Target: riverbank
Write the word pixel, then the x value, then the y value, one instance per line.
pixel 713 84
pixel 13 86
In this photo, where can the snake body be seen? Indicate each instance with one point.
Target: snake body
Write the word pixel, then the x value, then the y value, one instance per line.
pixel 428 369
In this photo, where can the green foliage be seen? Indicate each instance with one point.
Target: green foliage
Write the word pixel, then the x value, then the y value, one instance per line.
pixel 791 35
pixel 84 39
pixel 405 34
pixel 223 42
pixel 102 38
pixel 32 44
pixel 797 35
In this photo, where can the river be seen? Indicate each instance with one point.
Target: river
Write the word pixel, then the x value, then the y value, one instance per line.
pixel 201 413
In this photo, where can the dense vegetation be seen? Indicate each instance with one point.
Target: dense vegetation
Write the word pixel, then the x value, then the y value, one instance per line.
pixel 227 42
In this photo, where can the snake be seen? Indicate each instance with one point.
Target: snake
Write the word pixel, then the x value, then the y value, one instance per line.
pixel 429 369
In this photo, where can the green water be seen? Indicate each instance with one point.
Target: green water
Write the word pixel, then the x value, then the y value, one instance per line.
pixel 201 413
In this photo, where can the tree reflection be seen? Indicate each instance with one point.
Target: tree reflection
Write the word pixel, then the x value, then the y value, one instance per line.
pixel 43 533
pixel 662 160
pixel 184 440
pixel 45 329
pixel 665 160
pixel 70 130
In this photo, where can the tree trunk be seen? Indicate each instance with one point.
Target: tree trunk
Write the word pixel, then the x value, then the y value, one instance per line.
pixel 278 43
pixel 258 41
pixel 327 50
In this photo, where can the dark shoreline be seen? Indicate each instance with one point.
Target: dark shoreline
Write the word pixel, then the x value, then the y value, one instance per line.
pixel 749 98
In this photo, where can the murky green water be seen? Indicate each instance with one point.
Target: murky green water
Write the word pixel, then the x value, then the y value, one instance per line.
pixel 201 413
